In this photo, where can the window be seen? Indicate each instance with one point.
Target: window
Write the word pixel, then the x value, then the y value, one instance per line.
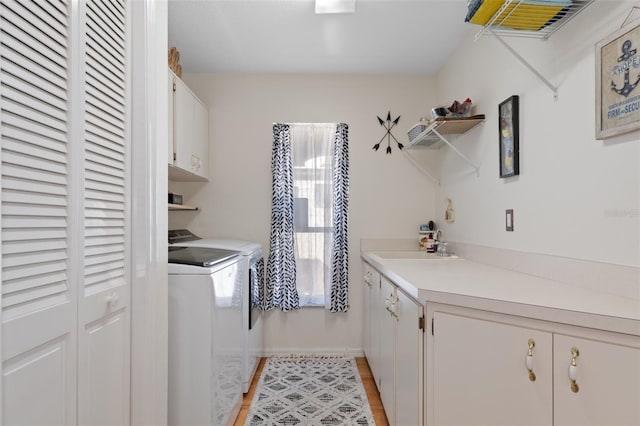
pixel 312 153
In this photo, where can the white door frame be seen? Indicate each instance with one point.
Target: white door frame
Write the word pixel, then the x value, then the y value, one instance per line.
pixel 149 347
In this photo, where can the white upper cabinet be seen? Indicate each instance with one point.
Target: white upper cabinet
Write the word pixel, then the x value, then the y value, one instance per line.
pixel 190 136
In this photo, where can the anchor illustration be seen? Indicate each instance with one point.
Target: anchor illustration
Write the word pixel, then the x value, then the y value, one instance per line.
pixel 628 87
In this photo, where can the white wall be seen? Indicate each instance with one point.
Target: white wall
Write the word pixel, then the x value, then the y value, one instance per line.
pixel 389 197
pixel 576 196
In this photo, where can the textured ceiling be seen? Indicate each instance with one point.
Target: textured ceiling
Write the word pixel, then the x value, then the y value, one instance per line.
pixel 285 36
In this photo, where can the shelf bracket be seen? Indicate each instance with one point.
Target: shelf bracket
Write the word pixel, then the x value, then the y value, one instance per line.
pixel 457 151
pixel 418 166
pixel 524 62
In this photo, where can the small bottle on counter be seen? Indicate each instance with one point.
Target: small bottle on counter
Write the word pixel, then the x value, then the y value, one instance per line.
pixel 431 243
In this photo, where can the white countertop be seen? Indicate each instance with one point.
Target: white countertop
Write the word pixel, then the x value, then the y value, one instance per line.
pixel 462 282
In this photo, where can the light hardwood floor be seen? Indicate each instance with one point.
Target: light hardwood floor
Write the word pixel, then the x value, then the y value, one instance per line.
pixel 369 384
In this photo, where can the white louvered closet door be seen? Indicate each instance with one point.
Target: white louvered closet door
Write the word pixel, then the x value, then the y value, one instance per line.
pixel 65 257
pixel 104 294
pixel 39 298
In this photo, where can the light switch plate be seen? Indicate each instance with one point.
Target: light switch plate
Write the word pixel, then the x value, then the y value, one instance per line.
pixel 509 220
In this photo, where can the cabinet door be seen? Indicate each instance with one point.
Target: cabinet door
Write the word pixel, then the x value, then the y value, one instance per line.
pixel 184 107
pixel 386 382
pixel 480 375
pixel 408 361
pixel 170 139
pixel 200 147
pixel 372 319
pixel 608 379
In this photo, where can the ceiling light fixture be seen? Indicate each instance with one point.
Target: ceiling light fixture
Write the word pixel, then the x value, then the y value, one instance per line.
pixel 335 6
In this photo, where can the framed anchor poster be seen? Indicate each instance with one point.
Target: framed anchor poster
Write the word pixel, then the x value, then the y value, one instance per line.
pixel 618 82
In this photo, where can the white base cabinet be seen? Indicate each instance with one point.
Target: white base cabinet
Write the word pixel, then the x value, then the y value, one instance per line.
pixel 607 376
pixel 479 362
pixel 394 347
pixel 480 376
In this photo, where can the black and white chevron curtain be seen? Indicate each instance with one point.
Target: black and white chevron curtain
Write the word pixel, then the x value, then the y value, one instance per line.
pixel 281 290
pixel 340 252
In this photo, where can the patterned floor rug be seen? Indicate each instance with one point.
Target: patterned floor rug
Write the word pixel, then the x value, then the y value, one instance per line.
pixel 310 391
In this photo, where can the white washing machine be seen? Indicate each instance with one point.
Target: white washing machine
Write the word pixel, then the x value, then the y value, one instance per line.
pixel 253 336
pixel 205 329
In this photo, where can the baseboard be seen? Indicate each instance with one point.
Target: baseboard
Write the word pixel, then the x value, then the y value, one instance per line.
pixel 355 352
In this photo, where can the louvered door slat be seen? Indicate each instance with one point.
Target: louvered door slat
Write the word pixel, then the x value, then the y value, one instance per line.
pixel 32 144
pixel 104 139
pixel 44 279
pixel 105 165
pixel 11 121
pixel 32 234
pixel 104 196
pixel 11 183
pixel 112 257
pixel 61 6
pixel 32 65
pixel 36 164
pixel 32 112
pixel 28 295
pixel 94 185
pixel 114 28
pixel 116 183
pixel 100 40
pixel 33 38
pixel 102 58
pixel 98 70
pixel 106 98
pixel 22 221
pixel 104 205
pixel 97 118
pixel 28 210
pixel 99 149
pixel 30 198
pixel 49 19
pixel 13 276
pixel 104 223
pixel 105 112
pixel 13 75
pixel 114 13
pixel 99 88
pixel 18 247
pixel 102 249
pixel 51 9
pixel 23 90
pixel 30 259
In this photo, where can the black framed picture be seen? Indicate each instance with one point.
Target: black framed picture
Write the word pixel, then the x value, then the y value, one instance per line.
pixel 509 137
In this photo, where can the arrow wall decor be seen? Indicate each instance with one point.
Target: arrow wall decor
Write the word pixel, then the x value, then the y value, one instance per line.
pixel 388 124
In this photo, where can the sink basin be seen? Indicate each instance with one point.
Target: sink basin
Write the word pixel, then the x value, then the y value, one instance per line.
pixel 411 255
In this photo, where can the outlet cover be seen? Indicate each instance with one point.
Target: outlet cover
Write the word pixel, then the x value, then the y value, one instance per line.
pixel 509 220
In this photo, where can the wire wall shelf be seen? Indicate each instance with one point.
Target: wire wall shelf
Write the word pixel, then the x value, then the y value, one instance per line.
pixel 519 18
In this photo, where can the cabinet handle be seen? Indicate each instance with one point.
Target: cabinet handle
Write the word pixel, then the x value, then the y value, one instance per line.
pixel 112 300
pixel 367 278
pixel 573 370
pixel 393 314
pixel 529 360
